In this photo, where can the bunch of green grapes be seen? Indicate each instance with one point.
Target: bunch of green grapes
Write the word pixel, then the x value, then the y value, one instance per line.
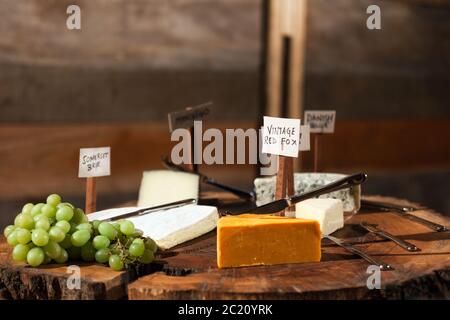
pixel 57 231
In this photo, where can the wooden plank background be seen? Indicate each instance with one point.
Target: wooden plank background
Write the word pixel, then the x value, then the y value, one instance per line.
pixel 37 159
pixel 114 82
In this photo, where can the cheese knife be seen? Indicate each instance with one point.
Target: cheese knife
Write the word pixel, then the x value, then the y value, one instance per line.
pixel 387 206
pixel 148 210
pixel 403 211
pixel 280 205
pixel 383 266
pixel 205 179
pixel 386 235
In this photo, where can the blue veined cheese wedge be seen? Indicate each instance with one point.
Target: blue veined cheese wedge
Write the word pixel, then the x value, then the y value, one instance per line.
pixel 305 182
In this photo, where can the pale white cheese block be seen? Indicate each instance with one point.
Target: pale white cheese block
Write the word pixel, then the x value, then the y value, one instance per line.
pixel 328 212
pixel 165 186
pixel 169 227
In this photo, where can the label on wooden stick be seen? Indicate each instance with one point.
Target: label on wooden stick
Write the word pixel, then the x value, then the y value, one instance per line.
pixel 281 136
pixel 321 121
pixel 95 162
pixel 186 118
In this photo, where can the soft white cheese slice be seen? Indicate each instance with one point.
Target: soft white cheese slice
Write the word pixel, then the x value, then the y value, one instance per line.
pixel 165 186
pixel 328 212
pixel 169 227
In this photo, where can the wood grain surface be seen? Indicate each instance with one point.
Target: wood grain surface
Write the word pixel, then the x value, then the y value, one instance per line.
pixel 191 272
pixel 50 282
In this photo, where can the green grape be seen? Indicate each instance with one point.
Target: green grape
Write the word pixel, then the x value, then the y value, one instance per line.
pixel 66 243
pixel 102 255
pixel 64 213
pixel 115 263
pixel 63 225
pixel 138 240
pixel 47 259
pixel 7 231
pixel 107 229
pixel 63 257
pixel 49 210
pixel 12 239
pixel 25 221
pixel 74 253
pixel 42 223
pixel 88 252
pixel 35 257
pixel 52 221
pixel 73 227
pixel 151 244
pixel 54 200
pixel 65 204
pixel 39 237
pixel 127 227
pixel 85 226
pixel 137 249
pixel 56 234
pixel 20 252
pixel 23 236
pixel 96 223
pixel 147 257
pixel 36 209
pixel 100 242
pixel 39 216
pixel 80 237
pixel 52 249
pixel 137 233
pixel 27 208
pixel 79 216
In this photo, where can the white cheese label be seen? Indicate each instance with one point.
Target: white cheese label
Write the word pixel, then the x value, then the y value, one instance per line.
pixel 321 121
pixel 304 138
pixel 94 162
pixel 186 118
pixel 281 136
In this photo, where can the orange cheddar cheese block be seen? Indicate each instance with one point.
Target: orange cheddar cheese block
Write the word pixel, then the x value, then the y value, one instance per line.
pixel 253 239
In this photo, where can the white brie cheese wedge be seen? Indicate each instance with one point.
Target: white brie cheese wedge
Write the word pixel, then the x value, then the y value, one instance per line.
pixel 328 212
pixel 169 227
pixel 165 186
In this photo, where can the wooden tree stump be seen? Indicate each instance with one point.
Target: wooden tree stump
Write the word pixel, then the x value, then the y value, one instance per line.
pixel 19 281
pixel 191 272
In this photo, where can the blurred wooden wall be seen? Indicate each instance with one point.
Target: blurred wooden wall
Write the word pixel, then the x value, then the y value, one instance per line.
pixel 113 82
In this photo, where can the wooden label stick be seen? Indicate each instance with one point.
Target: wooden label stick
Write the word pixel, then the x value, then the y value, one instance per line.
pixel 192 166
pixel 91 195
pixel 94 162
pixel 320 122
pixel 185 119
pixel 281 136
pixel 316 152
pixel 285 179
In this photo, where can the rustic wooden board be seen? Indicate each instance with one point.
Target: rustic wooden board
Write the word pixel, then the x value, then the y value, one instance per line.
pixel 191 272
pixel 19 281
